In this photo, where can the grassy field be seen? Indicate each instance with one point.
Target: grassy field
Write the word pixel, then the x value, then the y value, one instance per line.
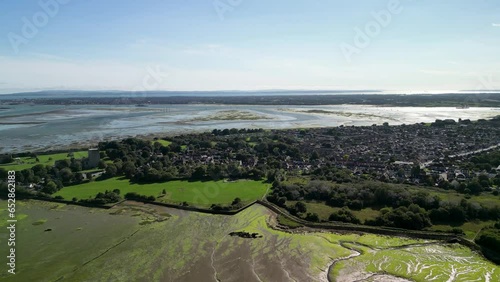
pixel 195 193
pixel 321 209
pixel 324 211
pixel 485 198
pixel 287 222
pixel 28 162
pixel 470 228
pixel 163 142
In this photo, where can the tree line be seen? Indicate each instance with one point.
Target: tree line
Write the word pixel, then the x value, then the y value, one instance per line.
pixel 399 207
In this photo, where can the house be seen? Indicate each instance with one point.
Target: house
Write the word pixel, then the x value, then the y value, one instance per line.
pixel 460 176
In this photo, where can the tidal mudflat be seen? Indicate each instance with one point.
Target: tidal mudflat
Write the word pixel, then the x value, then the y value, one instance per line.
pixel 57 126
pixel 138 242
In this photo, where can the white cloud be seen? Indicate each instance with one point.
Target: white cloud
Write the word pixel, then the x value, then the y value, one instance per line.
pixel 495 24
pixel 445 72
pixel 207 49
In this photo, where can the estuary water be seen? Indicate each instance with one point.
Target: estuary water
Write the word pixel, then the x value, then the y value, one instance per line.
pixel 44 127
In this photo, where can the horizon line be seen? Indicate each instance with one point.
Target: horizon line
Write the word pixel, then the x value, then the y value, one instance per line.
pixel 296 90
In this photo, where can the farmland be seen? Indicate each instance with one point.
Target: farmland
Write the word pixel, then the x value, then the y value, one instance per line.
pixel 178 245
pixel 49 159
pixel 197 193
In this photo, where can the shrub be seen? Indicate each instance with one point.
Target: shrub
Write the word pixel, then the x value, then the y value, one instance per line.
pixel 137 197
pixel 312 217
pixel 344 215
pixel 102 198
pixel 457 231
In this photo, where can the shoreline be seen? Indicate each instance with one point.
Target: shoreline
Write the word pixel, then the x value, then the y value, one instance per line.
pixel 194 129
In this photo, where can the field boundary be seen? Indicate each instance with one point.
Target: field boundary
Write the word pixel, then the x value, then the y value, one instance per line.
pixel 278 210
pixel 352 228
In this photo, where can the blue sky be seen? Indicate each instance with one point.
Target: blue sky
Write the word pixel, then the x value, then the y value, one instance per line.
pixel 419 45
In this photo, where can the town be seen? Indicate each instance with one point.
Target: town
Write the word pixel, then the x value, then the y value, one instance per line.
pixel 441 154
pixel 426 154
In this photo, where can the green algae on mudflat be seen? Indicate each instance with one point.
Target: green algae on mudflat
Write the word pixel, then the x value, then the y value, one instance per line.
pixel 424 262
pixel 190 246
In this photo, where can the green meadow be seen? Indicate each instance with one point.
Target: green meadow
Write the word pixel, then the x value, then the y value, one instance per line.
pixel 162 142
pixel 471 228
pixel 324 211
pixel 50 159
pixel 197 193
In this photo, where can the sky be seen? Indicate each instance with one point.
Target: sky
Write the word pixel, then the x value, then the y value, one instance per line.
pixel 405 45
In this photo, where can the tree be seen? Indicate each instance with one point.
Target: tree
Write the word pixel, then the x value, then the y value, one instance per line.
pixel 40 170
pixel 50 188
pixel 78 177
pixel 281 201
pixel 475 187
pixel 66 175
pixel 76 165
pixel 236 201
pixel 27 176
pixel 102 164
pixel 119 165
pixel 128 169
pixel 199 173
pixel 3 173
pixel 314 156
pixel 102 154
pixel 490 238
pixel 415 171
pixel 5 159
pixel 413 217
pixel 301 207
pixel 312 217
pixel 62 164
pixel 344 215
pixel 111 170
